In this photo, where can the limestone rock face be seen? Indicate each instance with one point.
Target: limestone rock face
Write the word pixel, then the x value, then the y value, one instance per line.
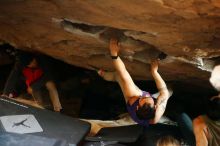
pixel 78 32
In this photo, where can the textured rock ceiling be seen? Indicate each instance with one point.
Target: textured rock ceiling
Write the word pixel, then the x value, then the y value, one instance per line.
pixel 77 32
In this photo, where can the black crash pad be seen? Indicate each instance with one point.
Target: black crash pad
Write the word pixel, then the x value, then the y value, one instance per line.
pixel 12 139
pixel 122 134
pixel 61 128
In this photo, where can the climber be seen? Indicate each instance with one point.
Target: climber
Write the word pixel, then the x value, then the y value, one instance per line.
pixel 141 105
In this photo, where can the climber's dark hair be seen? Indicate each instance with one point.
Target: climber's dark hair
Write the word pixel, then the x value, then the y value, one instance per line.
pixel 145 112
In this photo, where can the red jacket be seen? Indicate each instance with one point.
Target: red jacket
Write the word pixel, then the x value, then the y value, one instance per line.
pixel 32 75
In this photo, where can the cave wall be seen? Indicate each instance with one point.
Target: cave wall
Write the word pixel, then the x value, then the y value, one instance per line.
pixel 77 32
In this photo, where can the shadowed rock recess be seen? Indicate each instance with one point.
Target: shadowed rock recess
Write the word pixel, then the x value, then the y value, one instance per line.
pixel 78 32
